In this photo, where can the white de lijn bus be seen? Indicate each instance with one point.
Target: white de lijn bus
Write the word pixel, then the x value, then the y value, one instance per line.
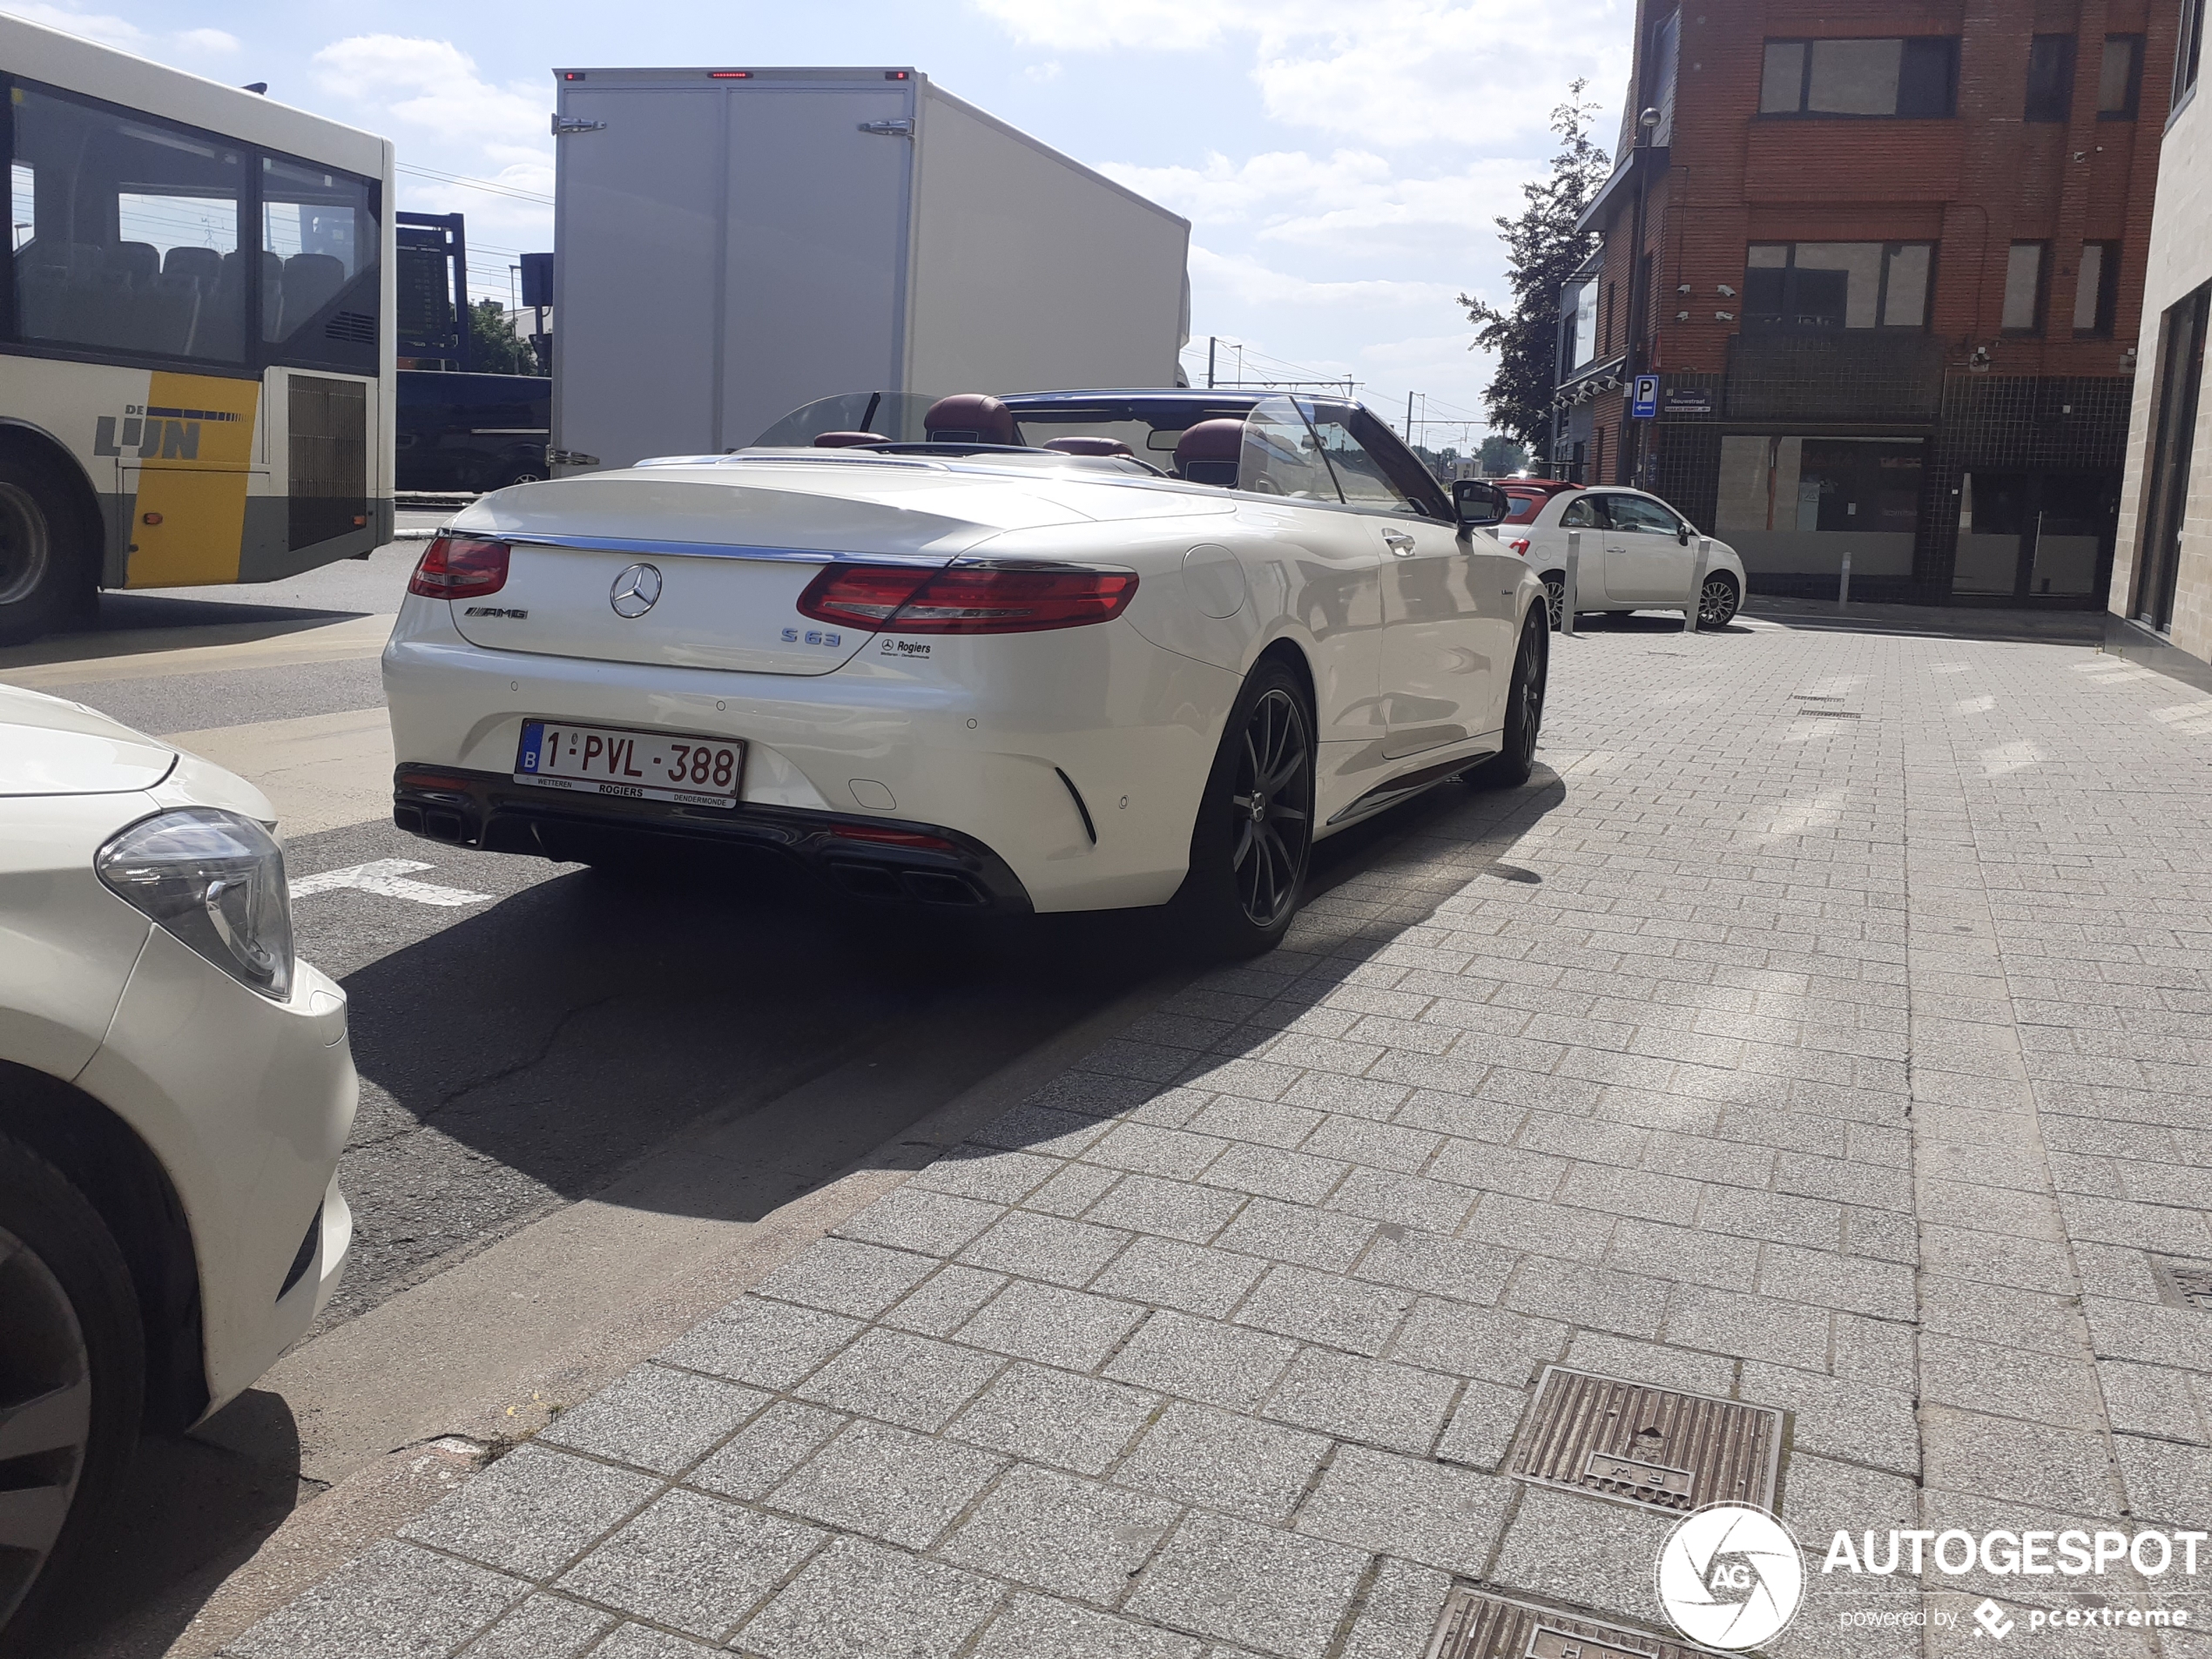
pixel 196 333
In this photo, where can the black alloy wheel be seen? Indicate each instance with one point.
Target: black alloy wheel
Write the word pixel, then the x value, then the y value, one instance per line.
pixel 1717 601
pixel 72 1382
pixel 1254 828
pixel 1511 766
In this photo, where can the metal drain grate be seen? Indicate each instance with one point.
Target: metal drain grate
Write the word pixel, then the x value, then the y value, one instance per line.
pixel 2187 1283
pixel 1476 1626
pixel 1657 1448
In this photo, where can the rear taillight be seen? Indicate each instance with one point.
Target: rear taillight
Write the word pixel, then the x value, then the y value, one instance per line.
pixel 970 599
pixel 456 567
pixel 1520 544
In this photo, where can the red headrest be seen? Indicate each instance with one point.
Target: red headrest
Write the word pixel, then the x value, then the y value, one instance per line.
pixel 1090 446
pixel 1221 439
pixel 969 417
pixel 846 439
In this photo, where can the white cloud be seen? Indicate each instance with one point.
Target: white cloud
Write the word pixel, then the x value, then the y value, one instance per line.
pixel 1094 26
pixel 1247 281
pixel 109 30
pixel 434 87
pixel 1042 73
pixel 208 42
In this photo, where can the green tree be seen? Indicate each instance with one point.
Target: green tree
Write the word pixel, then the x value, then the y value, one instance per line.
pixel 494 348
pixel 1501 457
pixel 1543 250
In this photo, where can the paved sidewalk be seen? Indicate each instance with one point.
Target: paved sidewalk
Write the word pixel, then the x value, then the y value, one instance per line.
pixel 1828 1033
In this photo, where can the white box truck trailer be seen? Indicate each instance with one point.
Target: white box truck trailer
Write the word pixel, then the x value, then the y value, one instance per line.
pixel 732 244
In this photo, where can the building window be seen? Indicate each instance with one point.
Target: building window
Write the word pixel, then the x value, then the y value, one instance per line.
pixel 2024 274
pixel 1917 76
pixel 2050 78
pixel 1579 307
pixel 2188 49
pixel 1793 286
pixel 2096 290
pixel 2120 80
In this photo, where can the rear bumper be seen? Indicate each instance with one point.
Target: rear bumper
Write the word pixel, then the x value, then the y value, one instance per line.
pixel 869 858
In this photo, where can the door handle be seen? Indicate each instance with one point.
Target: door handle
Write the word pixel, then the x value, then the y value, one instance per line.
pixel 1399 543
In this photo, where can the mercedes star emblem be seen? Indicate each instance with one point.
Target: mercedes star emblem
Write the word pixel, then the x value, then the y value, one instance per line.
pixel 636 590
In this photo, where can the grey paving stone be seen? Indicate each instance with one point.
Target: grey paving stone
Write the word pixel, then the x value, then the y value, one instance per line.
pixel 1822 1278
pixel 1821 1497
pixel 393 1602
pixel 1325 1308
pixel 1363 1400
pixel 1463 1269
pixel 1356 1097
pixel 1433 1514
pixel 1173 1154
pixel 532 1511
pixel 1837 1417
pixel 945 1301
pixel 1169 1273
pixel 1050 1128
pixel 1383 1146
pixel 1256 1586
pixel 1751 1327
pixel 1548 1229
pixel 1976 1377
pixel 1463 1341
pixel 692 1562
pixel 847 1277
pixel 1652 1362
pixel 1034 1626
pixel 543 1627
pixel 1222 1461
pixel 991 1174
pixel 2152 1400
pixel 2167 1485
pixel 655 1418
pixel 937 1224
pixel 777 1442
pixel 859 1601
pixel 1225 1365
pixel 771 1344
pixel 1777 1217
pixel 1399 1614
pixel 1581 1294
pixel 1053 1417
pixel 1051 1248
pixel 1271 1172
pixel 887 1483
pixel 1144 1203
pixel 911 1380
pixel 1883 1352
pixel 639 1642
pixel 1482 1425
pixel 2034 1463
pixel 1056 1532
pixel 1407 1200
pixel 1059 1327
pixel 1582 1551
pixel 1267 1122
pixel 1074 1190
pixel 1286 1232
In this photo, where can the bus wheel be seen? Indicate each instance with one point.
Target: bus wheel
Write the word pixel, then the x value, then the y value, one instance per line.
pixel 44 582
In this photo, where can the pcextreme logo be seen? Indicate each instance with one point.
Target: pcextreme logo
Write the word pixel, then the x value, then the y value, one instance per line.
pixel 1731 1576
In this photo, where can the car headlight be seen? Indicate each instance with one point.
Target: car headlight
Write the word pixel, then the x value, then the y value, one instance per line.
pixel 215 880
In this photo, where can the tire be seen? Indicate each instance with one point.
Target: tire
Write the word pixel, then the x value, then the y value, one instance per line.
pixel 1510 767
pixel 75 1343
pixel 1254 833
pixel 45 562
pixel 1718 600
pixel 1555 597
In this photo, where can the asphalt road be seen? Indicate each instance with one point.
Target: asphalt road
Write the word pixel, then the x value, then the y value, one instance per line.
pixel 538 1044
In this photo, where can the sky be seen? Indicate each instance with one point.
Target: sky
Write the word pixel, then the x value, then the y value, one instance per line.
pixel 1341 163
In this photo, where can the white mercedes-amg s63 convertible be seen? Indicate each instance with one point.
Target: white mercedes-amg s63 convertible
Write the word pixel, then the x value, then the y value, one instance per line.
pixel 1068 650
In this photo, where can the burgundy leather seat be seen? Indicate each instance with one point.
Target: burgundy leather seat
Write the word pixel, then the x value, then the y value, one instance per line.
pixel 1085 445
pixel 969 417
pixel 1207 453
pixel 846 439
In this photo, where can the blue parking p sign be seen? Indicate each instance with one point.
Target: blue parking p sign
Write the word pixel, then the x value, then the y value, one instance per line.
pixel 1646 398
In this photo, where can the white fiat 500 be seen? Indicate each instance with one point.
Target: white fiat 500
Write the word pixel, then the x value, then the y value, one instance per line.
pixel 174 1089
pixel 1637 552
pixel 1068 651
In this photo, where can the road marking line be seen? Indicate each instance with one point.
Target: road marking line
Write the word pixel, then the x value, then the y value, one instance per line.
pixel 389 878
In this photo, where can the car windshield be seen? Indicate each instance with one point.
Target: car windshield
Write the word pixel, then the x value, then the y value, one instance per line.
pixel 895 417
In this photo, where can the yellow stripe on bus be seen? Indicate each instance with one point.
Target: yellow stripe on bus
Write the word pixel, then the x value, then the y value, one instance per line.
pixel 188 524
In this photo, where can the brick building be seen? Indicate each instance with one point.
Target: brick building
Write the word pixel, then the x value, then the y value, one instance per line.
pixel 1887 258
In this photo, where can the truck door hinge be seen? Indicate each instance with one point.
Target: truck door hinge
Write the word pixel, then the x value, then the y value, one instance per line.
pixel 569 458
pixel 889 129
pixel 565 124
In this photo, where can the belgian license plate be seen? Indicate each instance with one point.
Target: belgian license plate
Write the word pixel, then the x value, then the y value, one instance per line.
pixel 639 766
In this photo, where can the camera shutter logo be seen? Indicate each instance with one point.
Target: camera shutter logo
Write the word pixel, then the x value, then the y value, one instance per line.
pixel 1731 1577
pixel 634 591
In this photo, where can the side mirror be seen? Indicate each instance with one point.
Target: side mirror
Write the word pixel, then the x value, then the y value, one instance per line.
pixel 1479 504
pixel 1682 534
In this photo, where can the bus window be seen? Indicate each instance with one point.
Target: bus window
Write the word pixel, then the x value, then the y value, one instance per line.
pixel 319 286
pixel 125 231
